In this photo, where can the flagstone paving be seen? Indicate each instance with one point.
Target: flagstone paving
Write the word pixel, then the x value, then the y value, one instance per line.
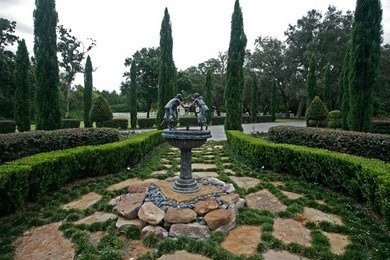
pixel 281 255
pixel 245 182
pixel 292 195
pixel 316 215
pixel 134 249
pixel 243 240
pixel 230 171
pixel 338 242
pixel 157 173
pixel 95 237
pixel 203 166
pixel 97 217
pixel 291 231
pixel 183 255
pixel 83 203
pixel 265 200
pixel 122 184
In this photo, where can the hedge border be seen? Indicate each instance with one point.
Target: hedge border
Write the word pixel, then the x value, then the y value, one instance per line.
pixel 364 179
pixel 33 176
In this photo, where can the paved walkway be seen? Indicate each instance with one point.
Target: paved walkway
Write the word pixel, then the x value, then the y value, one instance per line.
pixel 218 132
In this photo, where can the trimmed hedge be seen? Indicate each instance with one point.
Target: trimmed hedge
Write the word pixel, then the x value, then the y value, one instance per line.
pixel 218 120
pixel 31 177
pixel 116 123
pixel 366 179
pixel 356 143
pixel 146 122
pixel 190 121
pixel 71 123
pixel 381 127
pixel 7 126
pixel 17 145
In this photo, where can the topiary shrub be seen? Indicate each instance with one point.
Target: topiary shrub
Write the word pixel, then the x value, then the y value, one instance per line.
pixel 117 123
pixel 317 111
pixel 71 123
pixel 381 127
pixel 7 126
pixel 335 119
pixel 100 111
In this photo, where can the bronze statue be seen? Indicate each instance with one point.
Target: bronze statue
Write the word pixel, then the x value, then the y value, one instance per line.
pixel 170 116
pixel 204 110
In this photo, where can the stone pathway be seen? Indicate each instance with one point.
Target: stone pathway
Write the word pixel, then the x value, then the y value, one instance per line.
pixel 183 255
pixel 291 231
pixel 245 182
pixel 243 240
pixel 83 203
pixel 265 200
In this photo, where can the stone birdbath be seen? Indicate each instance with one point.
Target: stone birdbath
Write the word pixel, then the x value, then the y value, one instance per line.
pixel 185 140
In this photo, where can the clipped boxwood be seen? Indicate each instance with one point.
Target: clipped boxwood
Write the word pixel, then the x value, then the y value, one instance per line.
pixel 71 123
pixel 145 123
pixel 33 176
pixel 335 119
pixel 117 123
pixel 357 143
pixel 381 127
pixel 188 121
pixel 7 126
pixel 364 179
pixel 17 145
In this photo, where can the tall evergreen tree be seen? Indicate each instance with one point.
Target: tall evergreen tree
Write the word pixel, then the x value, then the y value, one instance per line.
pixel 311 84
pixel 22 94
pixel 209 95
pixel 167 70
pixel 363 65
pixel 88 86
pixel 47 79
pixel 327 88
pixel 254 99
pixel 133 94
pixel 235 71
pixel 273 100
pixel 344 86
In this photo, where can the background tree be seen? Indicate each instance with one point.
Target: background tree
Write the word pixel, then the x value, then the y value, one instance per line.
pixel 273 100
pixel 45 49
pixel 363 65
pixel 167 70
pixel 100 111
pixel 133 95
pixel 235 74
pixel 382 99
pixel 316 112
pixel 254 98
pixel 87 97
pixel 311 86
pixel 22 94
pixel 209 95
pixel 344 86
pixel 327 88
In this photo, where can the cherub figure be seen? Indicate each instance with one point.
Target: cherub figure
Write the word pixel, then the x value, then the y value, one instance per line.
pixel 204 109
pixel 170 116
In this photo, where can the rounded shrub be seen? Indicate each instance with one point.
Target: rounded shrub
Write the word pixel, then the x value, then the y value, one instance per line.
pixel 317 111
pixel 100 111
pixel 335 119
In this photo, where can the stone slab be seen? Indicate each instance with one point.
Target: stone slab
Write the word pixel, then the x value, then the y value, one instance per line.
pixel 291 231
pixel 230 171
pixel 243 240
pixel 97 217
pixel 292 195
pixel 338 242
pixel 135 249
pixel 202 175
pixel 316 215
pixel 83 203
pixel 122 184
pixel 157 173
pixel 203 166
pixel 192 230
pixel 45 242
pixel 245 182
pixel 122 223
pixel 265 200
pixel 95 237
pixel 281 255
pixel 183 255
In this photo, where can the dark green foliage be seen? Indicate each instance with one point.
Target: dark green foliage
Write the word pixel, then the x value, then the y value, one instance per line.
pixel 311 84
pixel 259 119
pixel 133 232
pixel 29 143
pixel 356 143
pixel 317 111
pixel 100 111
pixel 33 176
pixel 146 122
pixel 71 123
pixel 273 100
pixel 328 88
pixel 48 114
pixel 7 126
pixel 254 99
pixel 209 95
pixel 116 123
pixel 365 179
pixel 235 72
pixel 344 86
pixel 133 95
pixel 150 240
pixel 22 94
pixel 363 64
pixel 335 119
pixel 167 70
pixel 87 97
pixel 381 127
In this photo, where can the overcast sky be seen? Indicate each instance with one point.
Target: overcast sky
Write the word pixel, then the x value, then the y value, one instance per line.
pixel 200 28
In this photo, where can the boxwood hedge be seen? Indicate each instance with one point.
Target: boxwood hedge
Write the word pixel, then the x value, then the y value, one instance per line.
pixel 30 177
pixel 365 179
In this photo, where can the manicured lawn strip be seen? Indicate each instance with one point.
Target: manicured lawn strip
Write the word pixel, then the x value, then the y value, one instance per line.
pixel 33 176
pixel 364 179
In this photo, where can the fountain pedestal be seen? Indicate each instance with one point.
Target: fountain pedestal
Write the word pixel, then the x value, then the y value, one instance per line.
pixel 185 140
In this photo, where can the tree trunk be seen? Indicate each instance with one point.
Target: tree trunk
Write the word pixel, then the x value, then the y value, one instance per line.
pixel 286 109
pixel 69 92
pixel 148 106
pixel 300 107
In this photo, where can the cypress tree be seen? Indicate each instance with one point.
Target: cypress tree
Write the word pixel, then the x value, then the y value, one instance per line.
pixel 88 86
pixel 133 95
pixel 48 115
pixel 209 95
pixel 273 100
pixel 344 86
pixel 235 72
pixel 311 85
pixel 327 88
pixel 254 103
pixel 167 70
pixel 363 65
pixel 22 93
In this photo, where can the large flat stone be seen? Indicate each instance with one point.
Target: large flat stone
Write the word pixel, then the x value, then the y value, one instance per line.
pixel 83 203
pixel 183 255
pixel 203 166
pixel 217 218
pixel 179 216
pixel 122 223
pixel 193 230
pixel 202 175
pixel 243 240
pixel 292 195
pixel 316 215
pixel 122 184
pixel 281 255
pixel 245 182
pixel 338 242
pixel 157 173
pixel 97 217
pixel 264 200
pixel 205 206
pixel 140 186
pixel 291 231
pixel 135 249
pixel 45 242
pixel 158 231
pixel 129 205
pixel 151 214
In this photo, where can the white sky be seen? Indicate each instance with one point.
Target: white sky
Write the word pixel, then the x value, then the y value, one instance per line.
pixel 200 28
